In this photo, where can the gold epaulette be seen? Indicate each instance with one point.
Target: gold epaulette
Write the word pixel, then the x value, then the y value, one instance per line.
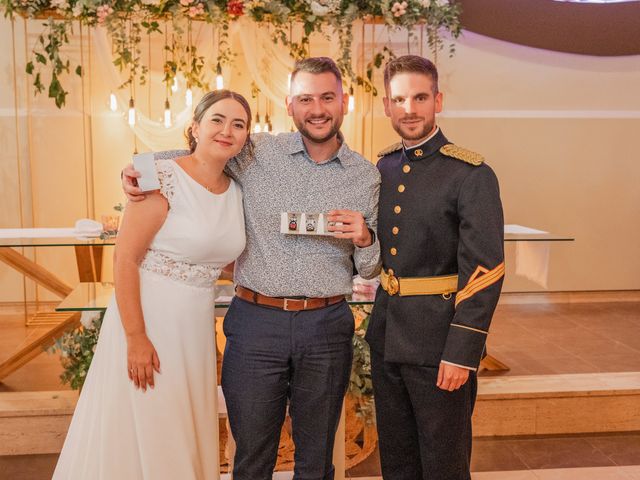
pixel 463 154
pixel 390 149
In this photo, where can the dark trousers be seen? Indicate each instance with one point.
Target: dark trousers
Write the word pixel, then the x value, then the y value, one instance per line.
pixel 424 432
pixel 272 357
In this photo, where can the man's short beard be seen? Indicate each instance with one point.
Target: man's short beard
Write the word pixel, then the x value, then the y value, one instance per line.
pixel 424 133
pixel 335 128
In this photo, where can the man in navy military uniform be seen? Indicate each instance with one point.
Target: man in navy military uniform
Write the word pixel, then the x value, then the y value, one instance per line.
pixel 441 232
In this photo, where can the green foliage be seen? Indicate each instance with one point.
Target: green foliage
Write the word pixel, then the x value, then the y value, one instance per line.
pixel 47 53
pixel 76 350
pixel 360 383
pixel 126 22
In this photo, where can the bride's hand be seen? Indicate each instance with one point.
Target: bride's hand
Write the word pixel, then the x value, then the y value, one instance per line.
pixel 142 360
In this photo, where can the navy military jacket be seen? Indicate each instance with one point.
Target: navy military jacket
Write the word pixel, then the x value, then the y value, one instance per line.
pixel 438 214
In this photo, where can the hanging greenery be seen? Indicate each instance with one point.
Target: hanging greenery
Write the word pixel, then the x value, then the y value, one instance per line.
pixel 127 21
pixel 76 349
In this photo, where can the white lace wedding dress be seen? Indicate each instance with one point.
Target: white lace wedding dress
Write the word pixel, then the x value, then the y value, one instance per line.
pixel 169 432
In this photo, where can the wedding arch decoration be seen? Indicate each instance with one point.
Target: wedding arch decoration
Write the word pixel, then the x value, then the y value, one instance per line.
pixel 290 23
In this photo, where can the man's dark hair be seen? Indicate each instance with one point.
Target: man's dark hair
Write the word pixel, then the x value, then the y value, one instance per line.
pixel 411 64
pixel 316 65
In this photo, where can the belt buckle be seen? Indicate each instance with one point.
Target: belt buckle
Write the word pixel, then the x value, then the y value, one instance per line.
pixel 393 284
pixel 286 308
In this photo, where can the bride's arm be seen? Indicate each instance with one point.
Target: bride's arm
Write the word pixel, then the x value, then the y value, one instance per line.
pixel 140 223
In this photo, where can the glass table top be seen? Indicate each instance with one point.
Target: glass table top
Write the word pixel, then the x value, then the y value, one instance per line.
pixel 537 237
pixel 56 242
pixel 71 242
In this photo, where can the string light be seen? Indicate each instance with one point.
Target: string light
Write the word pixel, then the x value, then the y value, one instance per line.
pixel 257 128
pixel 174 86
pixel 267 127
pixel 288 82
pixel 219 79
pixel 188 97
pixel 352 100
pixel 132 112
pixel 167 114
pixel 113 102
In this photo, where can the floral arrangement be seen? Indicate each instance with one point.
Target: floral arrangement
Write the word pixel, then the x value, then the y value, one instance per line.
pixel 76 349
pixel 360 383
pixel 127 21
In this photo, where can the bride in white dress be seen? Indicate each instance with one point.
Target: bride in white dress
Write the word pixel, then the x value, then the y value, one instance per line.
pixel 148 406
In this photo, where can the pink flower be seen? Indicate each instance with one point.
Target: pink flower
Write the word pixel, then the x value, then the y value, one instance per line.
pixel 102 12
pixel 196 10
pixel 398 9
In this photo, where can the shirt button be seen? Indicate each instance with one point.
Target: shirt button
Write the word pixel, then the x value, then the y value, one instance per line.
pixel 397 209
pixel 401 188
pixel 394 251
pixel 406 168
pixel 395 230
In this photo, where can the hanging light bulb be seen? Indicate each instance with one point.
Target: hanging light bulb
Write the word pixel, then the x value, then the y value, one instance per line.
pixel 219 79
pixel 132 112
pixel 174 86
pixel 257 128
pixel 352 100
pixel 113 102
pixel 288 82
pixel 267 124
pixel 167 114
pixel 188 97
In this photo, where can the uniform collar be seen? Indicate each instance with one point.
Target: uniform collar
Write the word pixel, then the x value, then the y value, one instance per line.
pixel 428 147
pixel 295 144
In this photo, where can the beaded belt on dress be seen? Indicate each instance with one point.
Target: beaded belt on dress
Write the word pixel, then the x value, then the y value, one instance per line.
pixel 193 274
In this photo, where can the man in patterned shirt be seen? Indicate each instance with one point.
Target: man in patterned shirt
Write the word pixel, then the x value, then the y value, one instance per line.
pixel 289 329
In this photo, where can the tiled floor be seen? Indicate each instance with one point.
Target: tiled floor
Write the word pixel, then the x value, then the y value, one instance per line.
pixel 540 339
pixel 522 453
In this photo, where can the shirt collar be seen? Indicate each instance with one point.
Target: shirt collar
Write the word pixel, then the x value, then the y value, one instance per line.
pixel 295 144
pixel 432 144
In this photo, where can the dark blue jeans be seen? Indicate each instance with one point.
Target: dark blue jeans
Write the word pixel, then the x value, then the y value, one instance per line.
pixel 272 357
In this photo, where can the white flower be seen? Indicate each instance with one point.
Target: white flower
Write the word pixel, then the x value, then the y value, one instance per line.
pixel 77 9
pixel 318 9
pixel 87 318
pixel 425 3
pixel 60 4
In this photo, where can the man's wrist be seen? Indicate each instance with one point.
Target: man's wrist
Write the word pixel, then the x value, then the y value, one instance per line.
pixel 372 240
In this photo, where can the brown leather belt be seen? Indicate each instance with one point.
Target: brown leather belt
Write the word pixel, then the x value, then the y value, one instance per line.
pixel 286 304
